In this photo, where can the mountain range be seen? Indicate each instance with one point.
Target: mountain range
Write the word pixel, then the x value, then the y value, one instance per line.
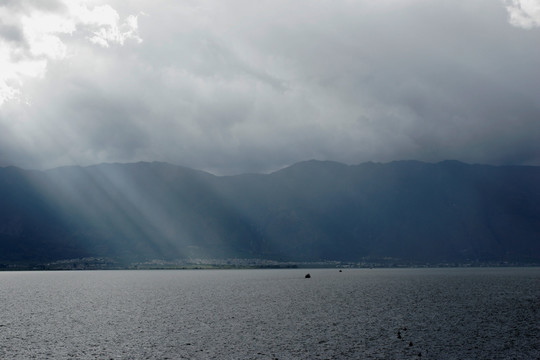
pixel 311 211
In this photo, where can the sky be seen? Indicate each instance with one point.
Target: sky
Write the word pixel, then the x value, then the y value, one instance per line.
pixel 252 86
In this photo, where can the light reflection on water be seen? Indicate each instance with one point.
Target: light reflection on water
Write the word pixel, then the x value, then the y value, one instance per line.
pixel 267 314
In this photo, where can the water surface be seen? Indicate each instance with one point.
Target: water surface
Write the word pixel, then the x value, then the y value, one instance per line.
pixel 267 314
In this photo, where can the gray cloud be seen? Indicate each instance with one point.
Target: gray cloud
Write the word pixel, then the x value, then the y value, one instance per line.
pixel 254 86
pixel 11 33
pixel 46 5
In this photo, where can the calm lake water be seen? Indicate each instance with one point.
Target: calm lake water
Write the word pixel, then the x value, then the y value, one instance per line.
pixel 267 314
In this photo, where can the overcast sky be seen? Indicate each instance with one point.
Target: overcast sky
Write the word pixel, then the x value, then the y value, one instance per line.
pixel 251 86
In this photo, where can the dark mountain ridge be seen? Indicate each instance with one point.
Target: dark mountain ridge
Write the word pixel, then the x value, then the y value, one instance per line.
pixel 313 210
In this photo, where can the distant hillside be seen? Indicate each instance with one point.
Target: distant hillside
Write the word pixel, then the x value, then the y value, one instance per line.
pixel 313 210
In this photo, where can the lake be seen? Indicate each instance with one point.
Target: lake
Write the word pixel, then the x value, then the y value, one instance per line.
pixel 450 313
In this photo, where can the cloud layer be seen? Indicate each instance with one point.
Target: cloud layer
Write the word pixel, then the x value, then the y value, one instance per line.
pixel 524 13
pixel 254 86
pixel 32 34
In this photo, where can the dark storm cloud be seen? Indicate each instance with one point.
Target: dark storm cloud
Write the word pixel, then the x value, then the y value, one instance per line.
pixel 254 86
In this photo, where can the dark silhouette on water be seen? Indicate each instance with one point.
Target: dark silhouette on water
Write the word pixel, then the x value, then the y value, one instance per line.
pixel 308 276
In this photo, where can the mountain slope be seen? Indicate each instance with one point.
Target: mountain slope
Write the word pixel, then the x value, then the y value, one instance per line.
pixel 312 210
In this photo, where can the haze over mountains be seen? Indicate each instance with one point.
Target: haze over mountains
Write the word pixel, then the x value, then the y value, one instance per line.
pixel 313 210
